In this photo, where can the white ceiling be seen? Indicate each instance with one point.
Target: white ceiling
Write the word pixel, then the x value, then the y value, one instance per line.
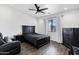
pixel 52 8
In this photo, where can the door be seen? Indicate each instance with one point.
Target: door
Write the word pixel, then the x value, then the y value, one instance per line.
pixel 53 28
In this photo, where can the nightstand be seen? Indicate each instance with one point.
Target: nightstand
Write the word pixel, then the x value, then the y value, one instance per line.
pixel 19 37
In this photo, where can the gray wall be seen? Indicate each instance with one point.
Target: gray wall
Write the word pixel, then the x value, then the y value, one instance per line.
pixel 11 20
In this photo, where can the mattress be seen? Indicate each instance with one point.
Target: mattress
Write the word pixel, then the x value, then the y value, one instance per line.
pixel 33 37
pixel 36 36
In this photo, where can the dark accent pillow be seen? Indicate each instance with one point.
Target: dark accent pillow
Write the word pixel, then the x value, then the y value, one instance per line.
pixel 1 36
pixel 5 39
pixel 1 41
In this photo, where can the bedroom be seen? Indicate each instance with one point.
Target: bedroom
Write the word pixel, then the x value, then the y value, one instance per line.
pixel 50 21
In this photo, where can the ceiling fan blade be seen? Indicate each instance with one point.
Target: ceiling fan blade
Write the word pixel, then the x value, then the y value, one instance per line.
pixel 43 12
pixel 36 12
pixel 32 9
pixel 36 6
pixel 44 9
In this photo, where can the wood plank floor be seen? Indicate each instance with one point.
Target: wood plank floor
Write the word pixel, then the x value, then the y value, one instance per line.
pixel 52 48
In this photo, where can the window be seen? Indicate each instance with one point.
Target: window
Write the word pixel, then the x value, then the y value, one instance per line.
pixel 52 24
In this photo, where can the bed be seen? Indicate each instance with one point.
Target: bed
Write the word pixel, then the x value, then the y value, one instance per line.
pixel 35 39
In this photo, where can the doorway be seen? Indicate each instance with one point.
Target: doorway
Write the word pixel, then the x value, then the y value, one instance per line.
pixel 53 28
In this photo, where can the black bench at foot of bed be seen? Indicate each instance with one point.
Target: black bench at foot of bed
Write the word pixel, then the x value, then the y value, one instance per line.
pixel 37 40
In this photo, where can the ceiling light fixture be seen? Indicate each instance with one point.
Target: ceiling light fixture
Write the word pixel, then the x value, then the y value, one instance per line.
pixel 65 8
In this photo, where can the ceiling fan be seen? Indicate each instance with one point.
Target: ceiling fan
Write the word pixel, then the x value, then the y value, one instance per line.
pixel 38 9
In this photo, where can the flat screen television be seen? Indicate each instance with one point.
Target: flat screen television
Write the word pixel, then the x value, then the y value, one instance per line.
pixel 28 29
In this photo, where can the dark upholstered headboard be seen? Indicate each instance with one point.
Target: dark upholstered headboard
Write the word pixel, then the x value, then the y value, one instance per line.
pixel 28 29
